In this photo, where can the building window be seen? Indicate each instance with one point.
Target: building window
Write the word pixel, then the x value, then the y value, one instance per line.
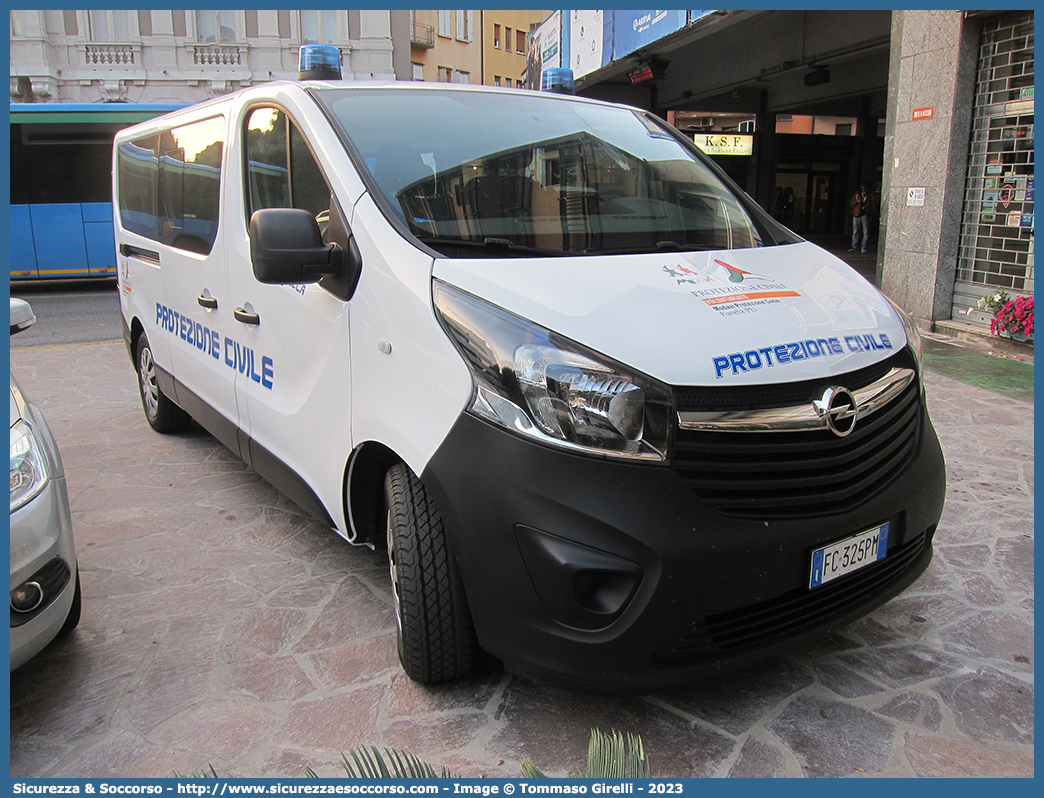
pixel 418 71
pixel 496 80
pixel 216 27
pixel 496 37
pixel 465 24
pixel 445 74
pixel 507 82
pixel 520 41
pixel 461 77
pixel 109 26
pixel 444 24
pixel 319 27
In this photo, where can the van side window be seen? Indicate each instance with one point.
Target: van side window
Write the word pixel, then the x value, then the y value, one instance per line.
pixel 281 171
pixel 169 185
pixel 138 171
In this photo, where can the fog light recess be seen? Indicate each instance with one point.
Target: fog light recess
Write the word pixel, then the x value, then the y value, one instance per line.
pixel 26 597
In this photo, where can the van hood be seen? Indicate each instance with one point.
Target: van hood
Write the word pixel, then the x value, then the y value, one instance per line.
pixel 752 316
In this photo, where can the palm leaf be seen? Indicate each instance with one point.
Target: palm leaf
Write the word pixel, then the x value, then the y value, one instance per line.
pixel 609 756
pixel 369 763
pixel 531 771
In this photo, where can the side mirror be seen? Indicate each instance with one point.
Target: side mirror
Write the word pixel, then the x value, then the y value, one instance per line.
pixel 22 316
pixel 286 248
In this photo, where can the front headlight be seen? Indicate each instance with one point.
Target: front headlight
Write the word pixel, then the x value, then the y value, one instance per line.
pixel 546 387
pixel 28 466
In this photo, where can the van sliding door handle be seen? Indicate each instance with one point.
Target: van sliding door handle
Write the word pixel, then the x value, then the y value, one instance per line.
pixel 245 317
pixel 207 302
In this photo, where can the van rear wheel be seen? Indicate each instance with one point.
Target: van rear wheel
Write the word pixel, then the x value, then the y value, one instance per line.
pixel 160 411
pixel 436 638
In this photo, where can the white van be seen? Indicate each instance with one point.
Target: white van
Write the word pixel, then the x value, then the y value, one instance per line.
pixel 614 423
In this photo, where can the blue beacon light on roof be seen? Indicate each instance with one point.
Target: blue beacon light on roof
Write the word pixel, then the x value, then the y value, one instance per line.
pixel 319 62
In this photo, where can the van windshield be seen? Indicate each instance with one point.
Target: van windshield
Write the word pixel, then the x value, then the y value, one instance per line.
pixel 474 173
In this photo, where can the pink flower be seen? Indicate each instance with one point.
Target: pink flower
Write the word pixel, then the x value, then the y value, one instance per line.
pixel 1014 316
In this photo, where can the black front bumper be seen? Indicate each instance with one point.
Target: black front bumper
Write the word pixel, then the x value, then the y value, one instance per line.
pixel 615 576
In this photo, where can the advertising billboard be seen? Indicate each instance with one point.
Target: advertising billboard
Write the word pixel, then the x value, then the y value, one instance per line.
pixel 587 41
pixel 634 29
pixel 544 49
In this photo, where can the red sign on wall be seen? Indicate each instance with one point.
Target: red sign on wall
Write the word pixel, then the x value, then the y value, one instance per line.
pixel 924 113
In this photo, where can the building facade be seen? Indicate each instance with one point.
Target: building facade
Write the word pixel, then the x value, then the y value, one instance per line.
pixel 445 46
pixel 471 46
pixel 188 56
pixel 505 34
pixel 932 109
pixel 957 223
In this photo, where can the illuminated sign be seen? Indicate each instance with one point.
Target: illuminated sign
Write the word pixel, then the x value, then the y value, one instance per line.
pixel 725 144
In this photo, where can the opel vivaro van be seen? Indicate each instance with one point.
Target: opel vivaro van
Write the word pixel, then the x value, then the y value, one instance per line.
pixel 614 424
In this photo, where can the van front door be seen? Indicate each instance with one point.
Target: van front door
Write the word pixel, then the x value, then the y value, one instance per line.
pixel 291 341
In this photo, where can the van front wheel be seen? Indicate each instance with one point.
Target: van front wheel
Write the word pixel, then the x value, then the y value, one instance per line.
pixel 436 636
pixel 162 414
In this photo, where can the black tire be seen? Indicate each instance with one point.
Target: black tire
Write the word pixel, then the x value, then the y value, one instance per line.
pixel 160 411
pixel 73 618
pixel 436 636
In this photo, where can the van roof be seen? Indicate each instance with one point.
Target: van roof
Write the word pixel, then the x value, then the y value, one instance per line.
pixel 408 85
pixel 352 85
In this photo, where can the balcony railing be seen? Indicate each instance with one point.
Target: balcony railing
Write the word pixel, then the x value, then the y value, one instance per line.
pixel 423 35
pixel 110 54
pixel 217 55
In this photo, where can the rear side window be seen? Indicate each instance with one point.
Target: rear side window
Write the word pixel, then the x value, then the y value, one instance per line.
pixel 169 185
pixel 138 172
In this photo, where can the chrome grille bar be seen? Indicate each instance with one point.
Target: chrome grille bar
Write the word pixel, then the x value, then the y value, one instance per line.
pixel 796 418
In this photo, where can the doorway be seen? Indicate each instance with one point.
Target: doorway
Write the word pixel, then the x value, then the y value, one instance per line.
pixel 809 197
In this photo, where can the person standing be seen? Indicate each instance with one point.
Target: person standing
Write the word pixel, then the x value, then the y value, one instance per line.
pixel 864 207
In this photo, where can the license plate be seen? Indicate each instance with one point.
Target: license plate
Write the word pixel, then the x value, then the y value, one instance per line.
pixel 848 555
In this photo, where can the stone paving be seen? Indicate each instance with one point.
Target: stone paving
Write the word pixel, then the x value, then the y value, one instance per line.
pixel 223 627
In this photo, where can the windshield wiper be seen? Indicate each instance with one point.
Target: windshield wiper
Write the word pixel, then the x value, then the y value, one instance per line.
pixel 491 243
pixel 659 246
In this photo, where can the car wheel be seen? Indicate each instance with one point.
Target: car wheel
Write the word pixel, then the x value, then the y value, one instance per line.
pixel 436 638
pixel 162 414
pixel 73 618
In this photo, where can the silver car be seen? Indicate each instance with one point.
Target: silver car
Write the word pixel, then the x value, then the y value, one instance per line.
pixel 45 583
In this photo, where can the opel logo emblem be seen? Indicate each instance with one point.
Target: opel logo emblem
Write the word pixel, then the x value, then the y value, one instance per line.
pixel 838 407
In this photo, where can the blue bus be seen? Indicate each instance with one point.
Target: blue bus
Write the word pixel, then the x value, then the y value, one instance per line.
pixel 61 186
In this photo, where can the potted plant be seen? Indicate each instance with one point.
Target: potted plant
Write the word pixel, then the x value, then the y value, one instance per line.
pixel 1014 319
